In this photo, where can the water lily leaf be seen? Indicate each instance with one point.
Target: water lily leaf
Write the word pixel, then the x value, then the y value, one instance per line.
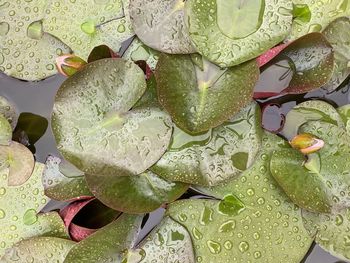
pixel 138 51
pixel 5 131
pixel 9 111
pixel 39 249
pixel 314 110
pixel 101 52
pixel 254 220
pixel 160 25
pixel 215 156
pixel 311 16
pixel 338 35
pixel 150 97
pixel 344 112
pixel 26 51
pixel 18 223
pixel 108 243
pixel 229 33
pixel 168 242
pixel 199 100
pixel 62 184
pixel 132 140
pixel 270 54
pixel 132 193
pixel 332 231
pixel 85 24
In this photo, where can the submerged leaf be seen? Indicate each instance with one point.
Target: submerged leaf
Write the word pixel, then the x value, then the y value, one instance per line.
pixel 9 111
pixel 101 52
pixel 199 100
pixel 229 33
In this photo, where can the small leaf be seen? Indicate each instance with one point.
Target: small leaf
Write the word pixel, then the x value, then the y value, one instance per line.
pixel 68 65
pixel 101 52
pixel 200 100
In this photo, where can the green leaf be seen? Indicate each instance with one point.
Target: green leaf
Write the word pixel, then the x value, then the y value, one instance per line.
pixel 344 112
pixel 61 183
pixel 95 103
pixel 322 13
pixel 150 97
pixel 5 131
pixel 132 193
pixel 338 35
pixel 160 25
pixel 27 53
pixel 39 249
pixel 216 156
pixel 199 100
pixel 101 52
pixel 138 51
pixel 332 231
pixel 19 206
pixel 108 243
pixel 168 242
pixel 9 111
pixel 84 24
pixel 229 33
pixel 313 110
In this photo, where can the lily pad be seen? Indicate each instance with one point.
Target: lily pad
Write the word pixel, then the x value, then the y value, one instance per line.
pixel 229 33
pixel 5 131
pixel 215 156
pixel 312 110
pixel 344 112
pixel 84 24
pixel 199 99
pixel 95 103
pixel 316 15
pixel 108 243
pixel 63 184
pixel 26 51
pixel 132 193
pixel 9 111
pixel 160 25
pixel 19 206
pixel 138 51
pixel 332 231
pixel 338 35
pixel 168 242
pixel 39 249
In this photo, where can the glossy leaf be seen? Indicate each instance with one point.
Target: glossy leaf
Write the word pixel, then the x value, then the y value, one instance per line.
pixel 168 242
pixel 322 13
pixel 9 111
pixel 19 207
pixel 63 183
pixel 132 193
pixel 27 53
pixel 39 249
pixel 215 156
pixel 313 110
pixel 199 100
pixel 160 25
pixel 338 35
pixel 85 24
pixel 108 243
pixel 123 139
pixel 5 131
pixel 229 33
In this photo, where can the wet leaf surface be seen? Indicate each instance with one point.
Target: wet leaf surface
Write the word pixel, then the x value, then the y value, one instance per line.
pixel 9 111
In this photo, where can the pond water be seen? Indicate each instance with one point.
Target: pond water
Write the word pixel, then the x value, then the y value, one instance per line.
pixel 37 98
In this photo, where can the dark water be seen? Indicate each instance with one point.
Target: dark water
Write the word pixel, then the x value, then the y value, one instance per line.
pixel 38 98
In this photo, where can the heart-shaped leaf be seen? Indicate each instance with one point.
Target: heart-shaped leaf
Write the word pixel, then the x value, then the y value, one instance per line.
pixel 202 99
pixel 84 24
pixel 168 242
pixel 39 249
pixel 9 111
pixel 313 16
pixel 331 231
pixel 132 193
pixel 254 221
pixel 216 156
pixel 62 182
pixel 229 33
pixel 5 131
pixel 160 25
pixel 108 243
pixel 19 206
pixel 338 35
pixel 101 52
pixel 27 53
pixel 344 112
pixel 313 110
pixel 122 139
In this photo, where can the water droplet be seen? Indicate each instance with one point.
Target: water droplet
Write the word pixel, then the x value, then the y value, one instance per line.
pixel 4 28
pixel 2 214
pixel 214 247
pixel 243 246
pixel 30 217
